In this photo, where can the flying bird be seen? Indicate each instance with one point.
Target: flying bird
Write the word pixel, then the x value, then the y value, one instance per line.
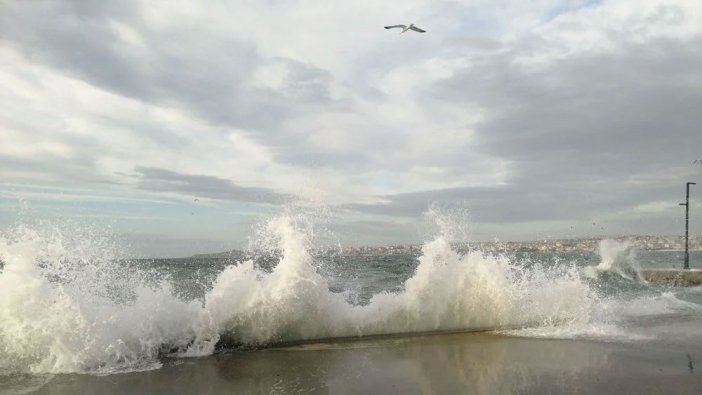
pixel 405 28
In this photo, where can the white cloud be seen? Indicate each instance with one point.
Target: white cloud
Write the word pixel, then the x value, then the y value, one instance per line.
pixel 656 207
pixel 606 26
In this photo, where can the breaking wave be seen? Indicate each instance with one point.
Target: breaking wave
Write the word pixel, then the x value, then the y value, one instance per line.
pixel 69 303
pixel 619 257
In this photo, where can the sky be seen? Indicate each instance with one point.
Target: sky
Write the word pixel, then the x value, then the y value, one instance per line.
pixel 179 125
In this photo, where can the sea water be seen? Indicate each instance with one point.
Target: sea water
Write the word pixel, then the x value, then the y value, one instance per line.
pixel 70 302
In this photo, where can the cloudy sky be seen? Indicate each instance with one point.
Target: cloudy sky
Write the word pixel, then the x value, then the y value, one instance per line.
pixel 179 124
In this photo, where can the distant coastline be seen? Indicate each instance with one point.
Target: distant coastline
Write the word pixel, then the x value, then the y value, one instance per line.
pixel 649 243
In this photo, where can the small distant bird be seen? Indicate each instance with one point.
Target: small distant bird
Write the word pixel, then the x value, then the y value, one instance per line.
pixel 405 28
pixel 697 161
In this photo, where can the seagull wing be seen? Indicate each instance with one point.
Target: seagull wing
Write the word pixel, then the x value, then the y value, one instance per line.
pixel 416 29
pixel 394 26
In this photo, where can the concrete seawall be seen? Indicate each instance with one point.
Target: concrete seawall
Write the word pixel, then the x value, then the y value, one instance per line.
pixel 677 277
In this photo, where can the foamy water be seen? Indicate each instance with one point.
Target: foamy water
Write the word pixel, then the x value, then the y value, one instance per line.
pixel 616 257
pixel 64 308
pixel 68 305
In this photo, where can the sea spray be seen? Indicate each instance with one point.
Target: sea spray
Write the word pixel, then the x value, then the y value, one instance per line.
pixel 70 305
pixel 448 291
pixel 58 315
pixel 615 257
pixel 253 306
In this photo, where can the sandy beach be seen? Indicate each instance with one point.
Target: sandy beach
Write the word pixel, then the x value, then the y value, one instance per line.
pixel 471 363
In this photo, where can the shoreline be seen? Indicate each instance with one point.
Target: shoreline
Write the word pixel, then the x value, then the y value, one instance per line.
pixel 484 363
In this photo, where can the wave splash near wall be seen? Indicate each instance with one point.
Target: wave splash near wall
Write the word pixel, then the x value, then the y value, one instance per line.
pixel 65 306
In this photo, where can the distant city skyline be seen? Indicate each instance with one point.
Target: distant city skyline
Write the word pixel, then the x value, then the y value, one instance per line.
pixel 179 125
pixel 650 243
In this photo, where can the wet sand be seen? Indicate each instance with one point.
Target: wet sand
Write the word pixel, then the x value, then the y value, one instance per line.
pixel 470 363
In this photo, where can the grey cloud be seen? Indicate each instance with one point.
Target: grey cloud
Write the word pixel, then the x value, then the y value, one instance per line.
pixel 575 131
pixel 160 180
pixel 577 201
pixel 304 82
pixel 62 169
pixel 202 72
pixel 207 74
pixel 630 109
pixel 487 204
pixel 75 38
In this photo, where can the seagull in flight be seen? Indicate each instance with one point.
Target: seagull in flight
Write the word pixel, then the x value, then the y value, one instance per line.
pixel 405 28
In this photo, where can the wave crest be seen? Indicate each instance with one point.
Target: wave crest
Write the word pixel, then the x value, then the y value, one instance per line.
pixel 56 315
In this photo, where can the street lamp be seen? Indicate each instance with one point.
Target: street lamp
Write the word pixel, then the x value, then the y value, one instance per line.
pixel 686 265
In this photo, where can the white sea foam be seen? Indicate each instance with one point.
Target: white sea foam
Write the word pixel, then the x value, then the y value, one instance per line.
pixel 68 306
pixel 448 291
pixel 57 315
pixel 617 257
pixel 658 304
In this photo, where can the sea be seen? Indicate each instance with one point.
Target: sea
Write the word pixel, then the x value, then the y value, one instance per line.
pixel 71 303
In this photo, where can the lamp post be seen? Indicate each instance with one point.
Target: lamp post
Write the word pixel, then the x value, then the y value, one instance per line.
pixel 686 265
